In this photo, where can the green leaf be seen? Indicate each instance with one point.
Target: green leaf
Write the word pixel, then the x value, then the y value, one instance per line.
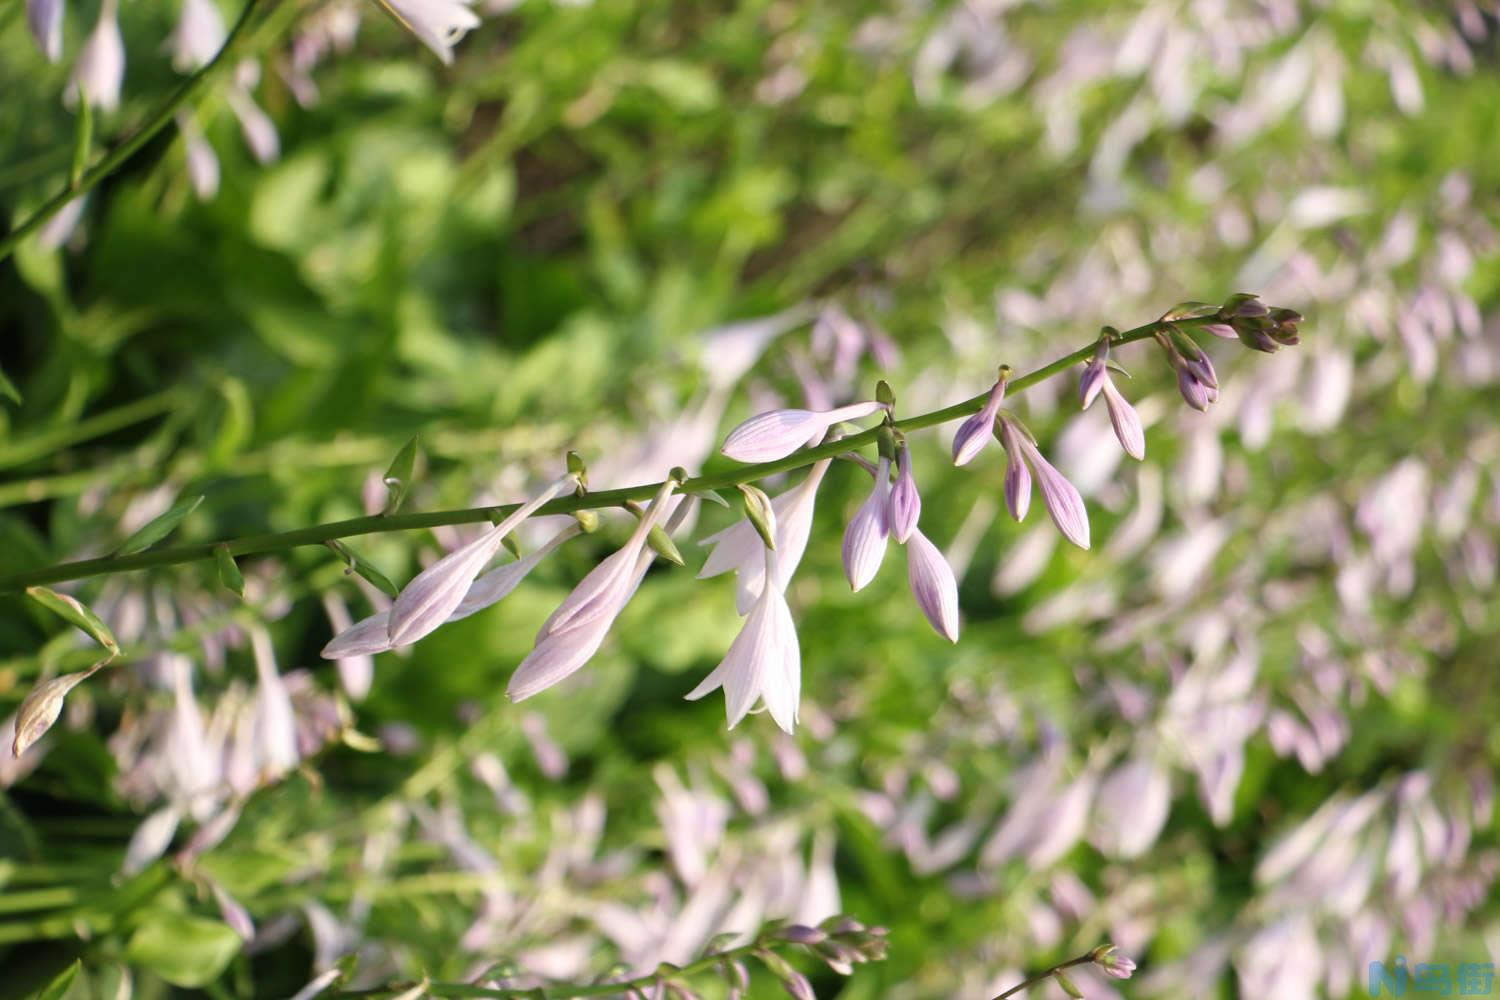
pixel 83 142
pixel 1068 986
pixel 73 611
pixel 8 389
pixel 159 527
pixel 56 989
pixel 229 572
pixel 184 950
pixel 398 476
pixel 358 564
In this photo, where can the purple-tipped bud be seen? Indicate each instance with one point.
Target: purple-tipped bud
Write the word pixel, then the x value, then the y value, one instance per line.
pixel 45 18
pixel 798 987
pixel 933 585
pixel 1203 370
pixel 974 433
pixel 1220 330
pixel 1194 392
pixel 1113 963
pixel 867 534
pixel 1095 374
pixel 906 502
pixel 777 433
pixel 802 934
pixel 1017 475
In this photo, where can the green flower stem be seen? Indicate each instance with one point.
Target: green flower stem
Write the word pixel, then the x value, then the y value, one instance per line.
pixel 640 983
pixel 116 158
pixel 321 533
pixel 1042 977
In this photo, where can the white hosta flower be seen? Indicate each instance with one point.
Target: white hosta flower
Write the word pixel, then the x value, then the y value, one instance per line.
pixel 777 433
pixel 438 24
pixel 45 18
pixel 202 161
pixel 437 591
pixel 739 547
pixel 764 663
pixel 575 631
pixel 1062 499
pixel 932 584
pixel 1131 808
pixel 100 69
pixel 151 839
pixel 255 125
pixel 275 722
pixel 198 36
pixel 866 537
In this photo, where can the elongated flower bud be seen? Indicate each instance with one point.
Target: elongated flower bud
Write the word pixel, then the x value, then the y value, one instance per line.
pixel 41 707
pixel 906 502
pixel 933 585
pixel 198 36
pixel 865 538
pixel 1124 419
pixel 430 598
pixel 100 69
pixel 576 630
pixel 1063 501
pixel 45 19
pixel 777 433
pixel 974 433
pixel 1095 374
pixel 1017 475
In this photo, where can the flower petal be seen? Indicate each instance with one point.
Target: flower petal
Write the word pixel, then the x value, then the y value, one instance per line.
pixel 775 434
pixel 933 585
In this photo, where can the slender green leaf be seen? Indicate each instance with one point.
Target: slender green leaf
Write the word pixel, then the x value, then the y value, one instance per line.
pixel 159 527
pixel 75 612
pixel 358 564
pixel 398 476
pixel 58 988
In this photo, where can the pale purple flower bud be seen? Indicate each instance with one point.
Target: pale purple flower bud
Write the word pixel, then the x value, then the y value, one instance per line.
pixel 496 585
pixel 866 537
pixel 1113 963
pixel 437 591
pixel 1194 392
pixel 255 125
pixel 576 630
pixel 202 162
pixel 1203 370
pixel 150 840
pixel 1063 500
pixel 1095 374
pixel 1126 422
pixel 1017 475
pixel 275 731
pixel 764 663
pixel 777 433
pixel 933 585
pixel 1220 330
pixel 45 18
pixel 974 433
pixel 198 36
pixel 100 69
pixel 1131 808
pixel 438 24
pixel 234 914
pixel 906 502
pixel 357 670
pixel 798 987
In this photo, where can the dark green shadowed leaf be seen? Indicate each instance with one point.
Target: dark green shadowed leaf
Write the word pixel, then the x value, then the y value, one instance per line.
pixel 58 988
